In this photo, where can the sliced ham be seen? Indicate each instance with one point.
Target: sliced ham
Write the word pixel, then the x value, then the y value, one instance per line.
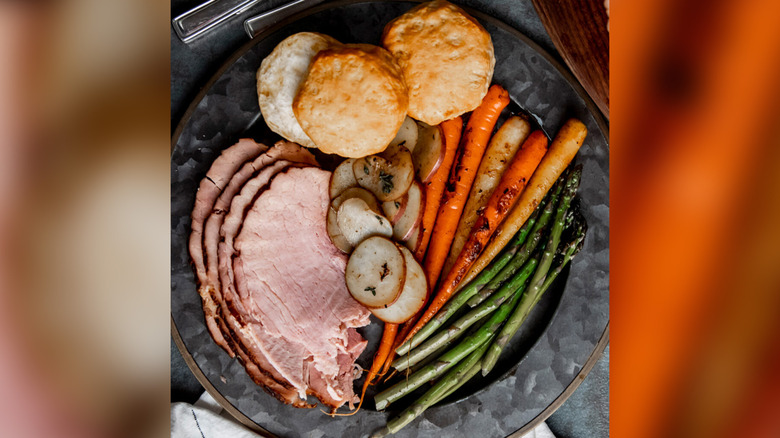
pixel 255 361
pixel 228 162
pixel 224 166
pixel 283 150
pixel 224 179
pixel 283 254
pixel 264 248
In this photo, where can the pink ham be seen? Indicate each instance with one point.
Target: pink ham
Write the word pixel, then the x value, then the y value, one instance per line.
pixel 223 168
pixel 224 179
pixel 290 280
pixel 256 291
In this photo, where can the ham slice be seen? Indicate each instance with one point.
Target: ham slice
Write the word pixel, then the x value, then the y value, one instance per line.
pixel 290 278
pixel 263 249
pixel 224 166
pixel 224 179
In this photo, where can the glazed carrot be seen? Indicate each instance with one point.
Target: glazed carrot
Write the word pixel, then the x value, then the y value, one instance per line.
pixel 475 139
pixel 502 148
pixel 385 346
pixel 404 330
pixel 473 144
pixel 562 150
pixel 489 219
pixel 434 188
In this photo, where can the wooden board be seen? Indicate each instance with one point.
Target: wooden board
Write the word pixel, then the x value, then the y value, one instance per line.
pixel 578 28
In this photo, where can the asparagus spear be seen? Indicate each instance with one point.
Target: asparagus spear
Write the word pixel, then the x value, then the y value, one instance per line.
pixel 449 358
pixel 472 288
pixel 433 356
pixel 443 337
pixel 454 378
pixel 568 253
pixel 537 233
pixel 465 377
pixel 497 273
pixel 537 282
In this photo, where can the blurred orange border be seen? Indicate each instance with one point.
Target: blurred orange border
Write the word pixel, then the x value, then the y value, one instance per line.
pixel 694 95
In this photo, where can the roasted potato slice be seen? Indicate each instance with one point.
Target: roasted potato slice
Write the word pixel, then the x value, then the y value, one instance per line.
pixel 376 272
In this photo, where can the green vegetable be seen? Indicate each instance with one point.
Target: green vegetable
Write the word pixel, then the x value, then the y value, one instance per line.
pixel 535 290
pixel 449 358
pixel 443 337
pixel 464 377
pixel 453 379
pixel 472 288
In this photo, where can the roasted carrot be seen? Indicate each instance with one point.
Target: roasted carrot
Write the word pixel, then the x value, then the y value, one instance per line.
pixel 562 150
pixel 502 148
pixel 472 147
pixel 402 332
pixel 501 201
pixel 385 346
pixel 473 144
pixel 434 188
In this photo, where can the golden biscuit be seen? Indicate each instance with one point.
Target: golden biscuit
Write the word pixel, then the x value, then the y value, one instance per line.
pixel 353 100
pixel 279 77
pixel 446 57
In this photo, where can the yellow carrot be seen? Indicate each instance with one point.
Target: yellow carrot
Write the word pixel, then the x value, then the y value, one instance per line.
pixel 562 150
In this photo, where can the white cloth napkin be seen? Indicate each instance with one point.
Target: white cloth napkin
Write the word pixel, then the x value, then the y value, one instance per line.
pixel 207 419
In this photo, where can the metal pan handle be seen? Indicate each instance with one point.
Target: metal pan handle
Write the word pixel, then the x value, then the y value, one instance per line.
pixel 203 18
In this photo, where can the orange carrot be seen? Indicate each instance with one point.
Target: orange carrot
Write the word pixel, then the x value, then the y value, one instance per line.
pixel 404 330
pixel 385 346
pixel 434 188
pixel 501 201
pixel 561 152
pixel 475 139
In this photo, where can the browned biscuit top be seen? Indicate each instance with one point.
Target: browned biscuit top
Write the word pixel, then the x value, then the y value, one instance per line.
pixel 353 100
pixel 447 59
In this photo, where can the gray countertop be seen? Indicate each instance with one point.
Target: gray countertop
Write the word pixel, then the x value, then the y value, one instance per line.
pixel 586 413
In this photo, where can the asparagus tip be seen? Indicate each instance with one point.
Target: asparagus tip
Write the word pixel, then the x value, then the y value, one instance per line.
pixel 381 433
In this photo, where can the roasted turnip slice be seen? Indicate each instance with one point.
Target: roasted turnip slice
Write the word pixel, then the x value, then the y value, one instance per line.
pixel 334 232
pixel 407 135
pixel 387 175
pixel 376 272
pixel 357 221
pixel 336 235
pixel 342 178
pixel 412 298
pixel 429 152
pixel 412 215
pixel 415 240
pixel 357 192
pixel 395 209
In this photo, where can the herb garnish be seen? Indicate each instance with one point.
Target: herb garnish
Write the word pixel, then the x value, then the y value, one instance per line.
pixel 365 169
pixel 387 181
pixel 379 218
pixel 371 289
pixel 385 271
